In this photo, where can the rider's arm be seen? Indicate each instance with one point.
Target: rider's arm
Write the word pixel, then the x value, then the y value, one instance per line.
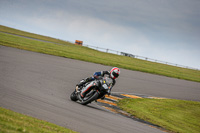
pixel 96 74
pixel 105 72
pixel 102 73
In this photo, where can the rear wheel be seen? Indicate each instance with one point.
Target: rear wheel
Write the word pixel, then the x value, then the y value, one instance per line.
pixel 73 96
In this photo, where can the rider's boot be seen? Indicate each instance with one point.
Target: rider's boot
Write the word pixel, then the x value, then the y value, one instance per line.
pixel 83 81
pixel 80 85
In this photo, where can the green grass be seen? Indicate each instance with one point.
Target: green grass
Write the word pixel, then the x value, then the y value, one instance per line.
pixel 72 51
pixel 31 35
pixel 173 115
pixel 12 122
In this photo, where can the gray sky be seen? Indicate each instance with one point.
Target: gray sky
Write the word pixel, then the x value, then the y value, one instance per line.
pixel 167 30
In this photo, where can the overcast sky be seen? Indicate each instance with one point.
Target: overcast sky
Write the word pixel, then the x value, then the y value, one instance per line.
pixel 167 30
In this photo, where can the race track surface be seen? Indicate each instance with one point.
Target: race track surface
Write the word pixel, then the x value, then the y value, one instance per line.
pixel 39 85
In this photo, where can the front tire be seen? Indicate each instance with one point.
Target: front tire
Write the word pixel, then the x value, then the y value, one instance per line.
pixel 73 96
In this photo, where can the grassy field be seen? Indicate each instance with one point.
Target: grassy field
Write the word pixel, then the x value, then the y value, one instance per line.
pixel 174 115
pixel 31 35
pixel 72 51
pixel 12 122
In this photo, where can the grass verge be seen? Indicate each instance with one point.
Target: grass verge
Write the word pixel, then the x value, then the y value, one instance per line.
pixel 15 122
pixel 173 115
pixel 69 50
pixel 31 35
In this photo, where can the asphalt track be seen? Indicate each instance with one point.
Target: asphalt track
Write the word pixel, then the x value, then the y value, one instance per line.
pixel 39 85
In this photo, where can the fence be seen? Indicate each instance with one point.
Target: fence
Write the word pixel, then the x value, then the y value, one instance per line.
pixel 137 56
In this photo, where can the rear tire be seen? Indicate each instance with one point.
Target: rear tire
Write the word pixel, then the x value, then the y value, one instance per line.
pixel 90 99
pixel 73 96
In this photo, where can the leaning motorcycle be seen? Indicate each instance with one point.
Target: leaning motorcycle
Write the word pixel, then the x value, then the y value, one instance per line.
pixel 98 89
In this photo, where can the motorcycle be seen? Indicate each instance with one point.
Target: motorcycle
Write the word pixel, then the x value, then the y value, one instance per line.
pixel 98 89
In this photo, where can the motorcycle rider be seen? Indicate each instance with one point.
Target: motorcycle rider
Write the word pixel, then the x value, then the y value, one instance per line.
pixel 112 74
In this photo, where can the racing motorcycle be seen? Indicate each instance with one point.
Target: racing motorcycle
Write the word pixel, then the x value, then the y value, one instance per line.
pixel 98 89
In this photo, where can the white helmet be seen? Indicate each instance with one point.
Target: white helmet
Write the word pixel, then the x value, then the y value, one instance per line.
pixel 114 72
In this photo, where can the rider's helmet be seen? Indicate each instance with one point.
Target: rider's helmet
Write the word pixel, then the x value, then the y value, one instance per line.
pixel 114 72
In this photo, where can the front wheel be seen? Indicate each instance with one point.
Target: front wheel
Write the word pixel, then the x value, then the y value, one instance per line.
pixel 73 96
pixel 90 98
